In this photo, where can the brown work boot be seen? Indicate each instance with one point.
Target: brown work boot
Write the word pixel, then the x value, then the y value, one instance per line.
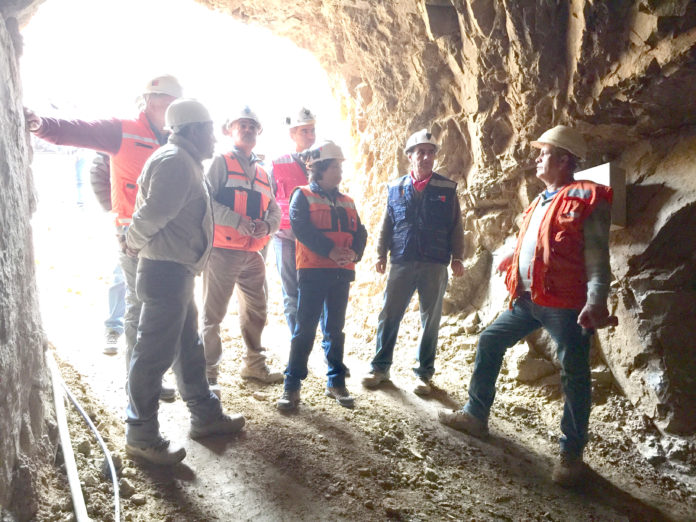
pixel 342 396
pixel 422 386
pixel 375 378
pixel 160 452
pixel 568 471
pixel 289 400
pixel 261 373
pixel 463 421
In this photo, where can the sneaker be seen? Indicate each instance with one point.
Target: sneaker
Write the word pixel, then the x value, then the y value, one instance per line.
pixel 340 393
pixel 463 421
pixel 161 452
pixel 261 373
pixel 422 387
pixel 111 346
pixel 289 400
pixel 214 386
pixel 224 425
pixel 375 378
pixel 568 471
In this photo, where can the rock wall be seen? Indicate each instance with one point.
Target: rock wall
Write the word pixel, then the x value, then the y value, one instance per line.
pixel 24 386
pixel 488 78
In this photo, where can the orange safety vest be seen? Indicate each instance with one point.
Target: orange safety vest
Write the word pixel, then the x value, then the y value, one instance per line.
pixel 248 199
pixel 326 216
pixel 288 175
pixel 138 142
pixel 558 267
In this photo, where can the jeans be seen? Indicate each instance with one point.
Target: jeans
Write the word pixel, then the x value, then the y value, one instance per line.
pixel 430 279
pixel 117 302
pixel 285 263
pixel 328 300
pixel 167 337
pixel 129 265
pixel 573 349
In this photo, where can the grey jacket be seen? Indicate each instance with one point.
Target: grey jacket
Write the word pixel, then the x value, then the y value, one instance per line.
pixel 173 218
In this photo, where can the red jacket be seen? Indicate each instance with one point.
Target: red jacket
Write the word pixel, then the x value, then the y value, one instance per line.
pixel 288 175
pixel 558 267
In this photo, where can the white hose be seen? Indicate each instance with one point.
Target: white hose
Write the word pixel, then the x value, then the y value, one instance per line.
pixel 68 455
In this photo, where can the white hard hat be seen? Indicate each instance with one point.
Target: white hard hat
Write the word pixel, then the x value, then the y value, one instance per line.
pixel 244 114
pixel 165 84
pixel 303 117
pixel 322 151
pixel 422 136
pixel 184 111
pixel 565 138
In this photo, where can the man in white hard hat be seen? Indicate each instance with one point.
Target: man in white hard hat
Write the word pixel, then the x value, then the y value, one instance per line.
pixel 171 233
pixel 422 231
pixel 246 214
pixel 129 143
pixel 287 173
pixel 558 278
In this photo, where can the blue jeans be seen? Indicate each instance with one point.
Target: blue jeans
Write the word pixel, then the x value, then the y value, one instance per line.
pixel 328 300
pixel 430 279
pixel 167 337
pixel 573 349
pixel 285 263
pixel 117 301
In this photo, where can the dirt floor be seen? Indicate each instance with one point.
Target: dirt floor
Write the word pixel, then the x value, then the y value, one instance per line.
pixel 388 458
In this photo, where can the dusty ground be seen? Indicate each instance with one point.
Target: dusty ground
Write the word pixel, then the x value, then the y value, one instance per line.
pixel 387 458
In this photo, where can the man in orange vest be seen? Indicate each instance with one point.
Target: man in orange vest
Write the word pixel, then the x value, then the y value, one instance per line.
pixel 558 278
pixel 245 214
pixel 129 143
pixel 287 172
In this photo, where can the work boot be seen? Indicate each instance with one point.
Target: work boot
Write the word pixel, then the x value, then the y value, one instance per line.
pixel 422 387
pixel 214 386
pixel 568 471
pixel 160 452
pixel 463 421
pixel 375 378
pixel 340 393
pixel 168 391
pixel 261 373
pixel 224 425
pixel 289 400
pixel 111 342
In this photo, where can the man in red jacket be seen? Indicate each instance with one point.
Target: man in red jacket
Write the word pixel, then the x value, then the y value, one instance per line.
pixel 287 172
pixel 558 278
pixel 129 143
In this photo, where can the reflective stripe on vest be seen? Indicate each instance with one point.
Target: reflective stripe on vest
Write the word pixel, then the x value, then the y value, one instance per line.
pixel 138 142
pixel 559 278
pixel 288 175
pixel 337 225
pixel 247 198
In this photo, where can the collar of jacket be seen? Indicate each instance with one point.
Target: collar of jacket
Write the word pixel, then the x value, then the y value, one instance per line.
pixel 251 159
pixel 332 195
pixel 180 141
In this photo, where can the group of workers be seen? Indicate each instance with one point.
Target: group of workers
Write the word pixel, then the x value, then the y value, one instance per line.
pixel 175 220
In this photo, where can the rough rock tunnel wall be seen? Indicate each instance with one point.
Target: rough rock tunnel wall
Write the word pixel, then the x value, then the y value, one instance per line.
pixel 488 77
pixel 25 408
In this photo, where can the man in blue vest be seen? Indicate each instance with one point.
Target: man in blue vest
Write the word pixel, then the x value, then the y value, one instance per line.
pixel 422 231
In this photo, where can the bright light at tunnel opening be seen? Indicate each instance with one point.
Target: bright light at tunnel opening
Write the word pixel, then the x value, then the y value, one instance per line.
pixel 90 59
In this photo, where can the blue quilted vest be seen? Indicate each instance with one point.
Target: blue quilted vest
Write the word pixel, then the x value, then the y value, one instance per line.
pixel 422 226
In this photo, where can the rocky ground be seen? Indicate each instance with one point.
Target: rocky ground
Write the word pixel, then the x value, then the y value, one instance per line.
pixel 388 458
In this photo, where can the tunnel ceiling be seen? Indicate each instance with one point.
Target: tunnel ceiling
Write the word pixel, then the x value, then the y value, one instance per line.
pixel 492 75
